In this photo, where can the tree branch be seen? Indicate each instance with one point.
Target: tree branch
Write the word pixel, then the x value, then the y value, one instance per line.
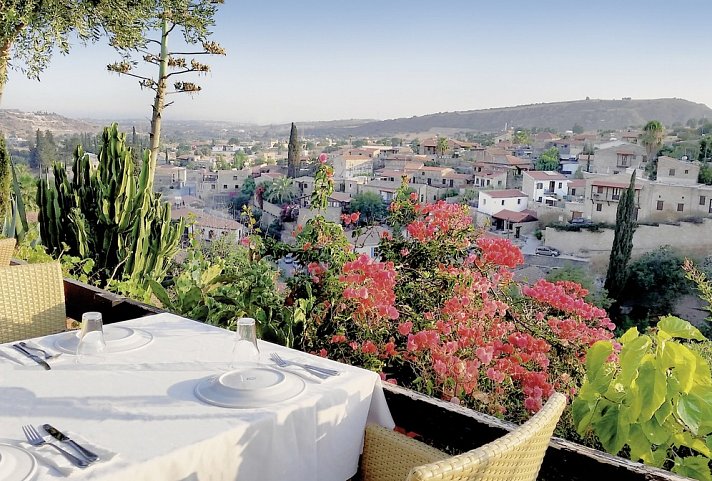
pixel 133 75
pixel 180 72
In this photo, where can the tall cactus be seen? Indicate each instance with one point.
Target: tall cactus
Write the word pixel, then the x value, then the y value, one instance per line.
pixel 108 214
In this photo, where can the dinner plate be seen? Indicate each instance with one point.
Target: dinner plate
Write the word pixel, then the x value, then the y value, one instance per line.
pixel 250 386
pixel 118 339
pixel 16 464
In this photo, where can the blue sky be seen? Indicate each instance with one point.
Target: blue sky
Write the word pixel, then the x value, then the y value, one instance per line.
pixel 319 60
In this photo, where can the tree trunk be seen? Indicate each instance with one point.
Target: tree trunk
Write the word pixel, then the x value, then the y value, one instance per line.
pixel 4 61
pixel 159 101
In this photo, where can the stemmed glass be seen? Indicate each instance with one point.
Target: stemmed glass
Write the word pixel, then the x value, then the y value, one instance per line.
pixel 92 345
pixel 245 348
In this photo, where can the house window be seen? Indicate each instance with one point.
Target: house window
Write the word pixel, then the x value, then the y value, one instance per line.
pixel 702 200
pixel 600 189
pixel 212 186
pixel 599 207
pixel 499 183
pixel 444 181
pixel 559 185
pixel 237 186
pixel 573 191
pixel 488 182
pixel 687 171
pixel 672 173
pixel 519 201
pixel 680 207
pixel 660 205
pixel 484 201
pixel 502 202
pixel 234 177
pixel 539 185
pixel 225 186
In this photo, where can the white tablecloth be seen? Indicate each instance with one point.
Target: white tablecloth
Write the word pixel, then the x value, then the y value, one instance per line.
pixel 140 405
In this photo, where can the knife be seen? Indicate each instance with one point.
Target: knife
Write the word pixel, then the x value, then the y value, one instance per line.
pixel 59 436
pixel 37 359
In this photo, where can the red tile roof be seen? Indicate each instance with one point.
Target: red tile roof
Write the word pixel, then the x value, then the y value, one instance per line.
pixel 511 216
pixel 545 175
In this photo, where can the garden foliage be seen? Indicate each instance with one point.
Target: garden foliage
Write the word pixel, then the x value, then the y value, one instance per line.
pixel 653 398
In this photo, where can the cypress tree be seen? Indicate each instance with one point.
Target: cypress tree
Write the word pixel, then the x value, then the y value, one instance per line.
pixel 622 242
pixel 293 153
pixel 4 179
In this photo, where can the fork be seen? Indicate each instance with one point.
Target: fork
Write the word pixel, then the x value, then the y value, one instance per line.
pixel 46 354
pixel 35 439
pixel 321 372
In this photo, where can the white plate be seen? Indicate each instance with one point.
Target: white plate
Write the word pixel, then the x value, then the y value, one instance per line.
pixel 118 339
pixel 251 386
pixel 16 464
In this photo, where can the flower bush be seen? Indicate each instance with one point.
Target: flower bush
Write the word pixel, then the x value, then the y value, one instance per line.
pixel 439 311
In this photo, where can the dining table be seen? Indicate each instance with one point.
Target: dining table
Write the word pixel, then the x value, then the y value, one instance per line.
pixel 137 406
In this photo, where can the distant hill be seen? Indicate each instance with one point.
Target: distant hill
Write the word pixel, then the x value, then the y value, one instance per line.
pixel 24 124
pixel 591 114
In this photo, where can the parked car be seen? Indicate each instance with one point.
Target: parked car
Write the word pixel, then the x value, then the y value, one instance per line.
pixel 547 251
pixel 580 221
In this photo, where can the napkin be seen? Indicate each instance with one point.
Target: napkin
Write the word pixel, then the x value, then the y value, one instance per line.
pixel 8 353
pixel 57 463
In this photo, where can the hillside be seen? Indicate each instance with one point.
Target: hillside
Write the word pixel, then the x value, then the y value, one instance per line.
pixel 591 114
pixel 24 124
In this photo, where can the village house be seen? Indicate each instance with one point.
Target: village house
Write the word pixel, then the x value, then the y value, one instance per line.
pixel 617 158
pixel 207 226
pixel 506 210
pixel 169 176
pixel 545 186
pixel 491 179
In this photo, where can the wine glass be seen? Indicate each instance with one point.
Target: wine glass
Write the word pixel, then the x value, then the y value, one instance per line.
pixel 92 346
pixel 245 348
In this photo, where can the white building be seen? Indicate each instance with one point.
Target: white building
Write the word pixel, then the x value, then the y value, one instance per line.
pixel 493 201
pixel 545 186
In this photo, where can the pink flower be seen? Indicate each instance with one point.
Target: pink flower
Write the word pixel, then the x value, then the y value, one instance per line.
pixel 323 158
pixel 404 328
pixel 369 347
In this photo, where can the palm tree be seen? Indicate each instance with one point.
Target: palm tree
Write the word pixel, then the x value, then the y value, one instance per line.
pixel 652 139
pixel 281 190
pixel 442 145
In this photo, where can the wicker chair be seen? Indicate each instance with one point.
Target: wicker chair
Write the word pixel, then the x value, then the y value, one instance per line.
pixel 7 247
pixel 31 301
pixel 517 456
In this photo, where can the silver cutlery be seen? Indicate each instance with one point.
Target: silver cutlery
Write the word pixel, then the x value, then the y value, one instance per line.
pixel 34 357
pixel 60 436
pixel 320 372
pixel 34 438
pixel 47 355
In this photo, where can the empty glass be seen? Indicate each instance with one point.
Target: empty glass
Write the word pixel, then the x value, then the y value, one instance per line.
pixel 92 346
pixel 245 348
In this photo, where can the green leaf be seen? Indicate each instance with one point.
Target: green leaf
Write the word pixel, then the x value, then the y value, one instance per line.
pixel 695 410
pixel 598 370
pixel 583 411
pixel 696 467
pixel 631 357
pixel 654 432
pixel 160 293
pixel 612 427
pixel 629 335
pixel 638 442
pixel 656 458
pixel 682 360
pixel 652 386
pixel 676 327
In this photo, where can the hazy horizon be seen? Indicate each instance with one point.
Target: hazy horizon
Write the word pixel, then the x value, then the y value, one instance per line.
pixel 323 61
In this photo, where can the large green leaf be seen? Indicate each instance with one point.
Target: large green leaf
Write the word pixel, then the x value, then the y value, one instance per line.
pixel 629 335
pixel 676 327
pixel 612 427
pixel 656 458
pixel 583 412
pixel 695 410
pixel 652 385
pixel 630 358
pixel 684 438
pixel 683 362
pixel 654 432
pixel 696 467
pixel 598 370
pixel 638 442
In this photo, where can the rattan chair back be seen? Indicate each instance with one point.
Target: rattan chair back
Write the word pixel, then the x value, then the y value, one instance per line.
pixel 31 301
pixel 517 456
pixel 7 247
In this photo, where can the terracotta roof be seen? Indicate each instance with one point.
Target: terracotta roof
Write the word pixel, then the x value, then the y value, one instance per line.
pixel 545 175
pixel 577 183
pixel 511 216
pixel 455 175
pixel 500 194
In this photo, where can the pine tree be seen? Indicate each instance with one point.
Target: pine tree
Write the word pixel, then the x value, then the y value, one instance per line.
pixel 622 242
pixel 293 153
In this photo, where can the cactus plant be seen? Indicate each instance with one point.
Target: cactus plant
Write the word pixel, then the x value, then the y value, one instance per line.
pixel 109 214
